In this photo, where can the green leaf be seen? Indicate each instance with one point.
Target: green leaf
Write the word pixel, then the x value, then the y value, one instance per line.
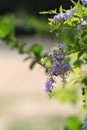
pixel 36 49
pixel 21 47
pixel 68 59
pixel 84 81
pixel 73 2
pixel 73 123
pixel 80 10
pixel 69 37
pixel 74 56
pixel 67 95
pixel 46 61
pixel 4 30
pixel 77 70
pixel 26 58
pixel 60 9
pixel 77 63
pixel 79 79
pixel 72 21
pixel 80 53
pixel 85 56
pixel 49 12
pixel 31 66
pixel 6 26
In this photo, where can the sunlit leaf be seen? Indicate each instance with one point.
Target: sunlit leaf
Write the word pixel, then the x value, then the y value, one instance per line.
pixel 73 123
pixel 49 12
pixel 61 9
pixel 77 70
pixel 67 95
pixel 46 61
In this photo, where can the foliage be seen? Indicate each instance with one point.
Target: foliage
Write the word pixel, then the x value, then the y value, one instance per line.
pixel 70 123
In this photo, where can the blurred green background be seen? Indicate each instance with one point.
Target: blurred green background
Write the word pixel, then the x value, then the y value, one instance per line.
pixel 26 12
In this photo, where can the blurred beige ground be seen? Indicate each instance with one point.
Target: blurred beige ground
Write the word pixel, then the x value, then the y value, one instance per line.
pixel 22 93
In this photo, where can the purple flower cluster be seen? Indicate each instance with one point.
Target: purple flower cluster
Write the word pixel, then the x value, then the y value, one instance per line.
pixel 84 127
pixel 49 85
pixel 81 23
pixel 64 16
pixel 59 66
pixel 84 2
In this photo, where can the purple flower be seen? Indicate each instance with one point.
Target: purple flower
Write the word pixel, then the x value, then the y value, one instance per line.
pixel 59 67
pixel 61 46
pixel 71 12
pixel 60 55
pixel 65 67
pixel 84 2
pixel 61 15
pixel 79 27
pixel 54 54
pixel 64 16
pixel 49 70
pixel 84 127
pixel 49 85
pixel 56 18
pixel 55 69
pixel 57 55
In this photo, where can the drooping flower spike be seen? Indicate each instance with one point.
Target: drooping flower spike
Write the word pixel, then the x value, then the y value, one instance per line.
pixel 58 68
